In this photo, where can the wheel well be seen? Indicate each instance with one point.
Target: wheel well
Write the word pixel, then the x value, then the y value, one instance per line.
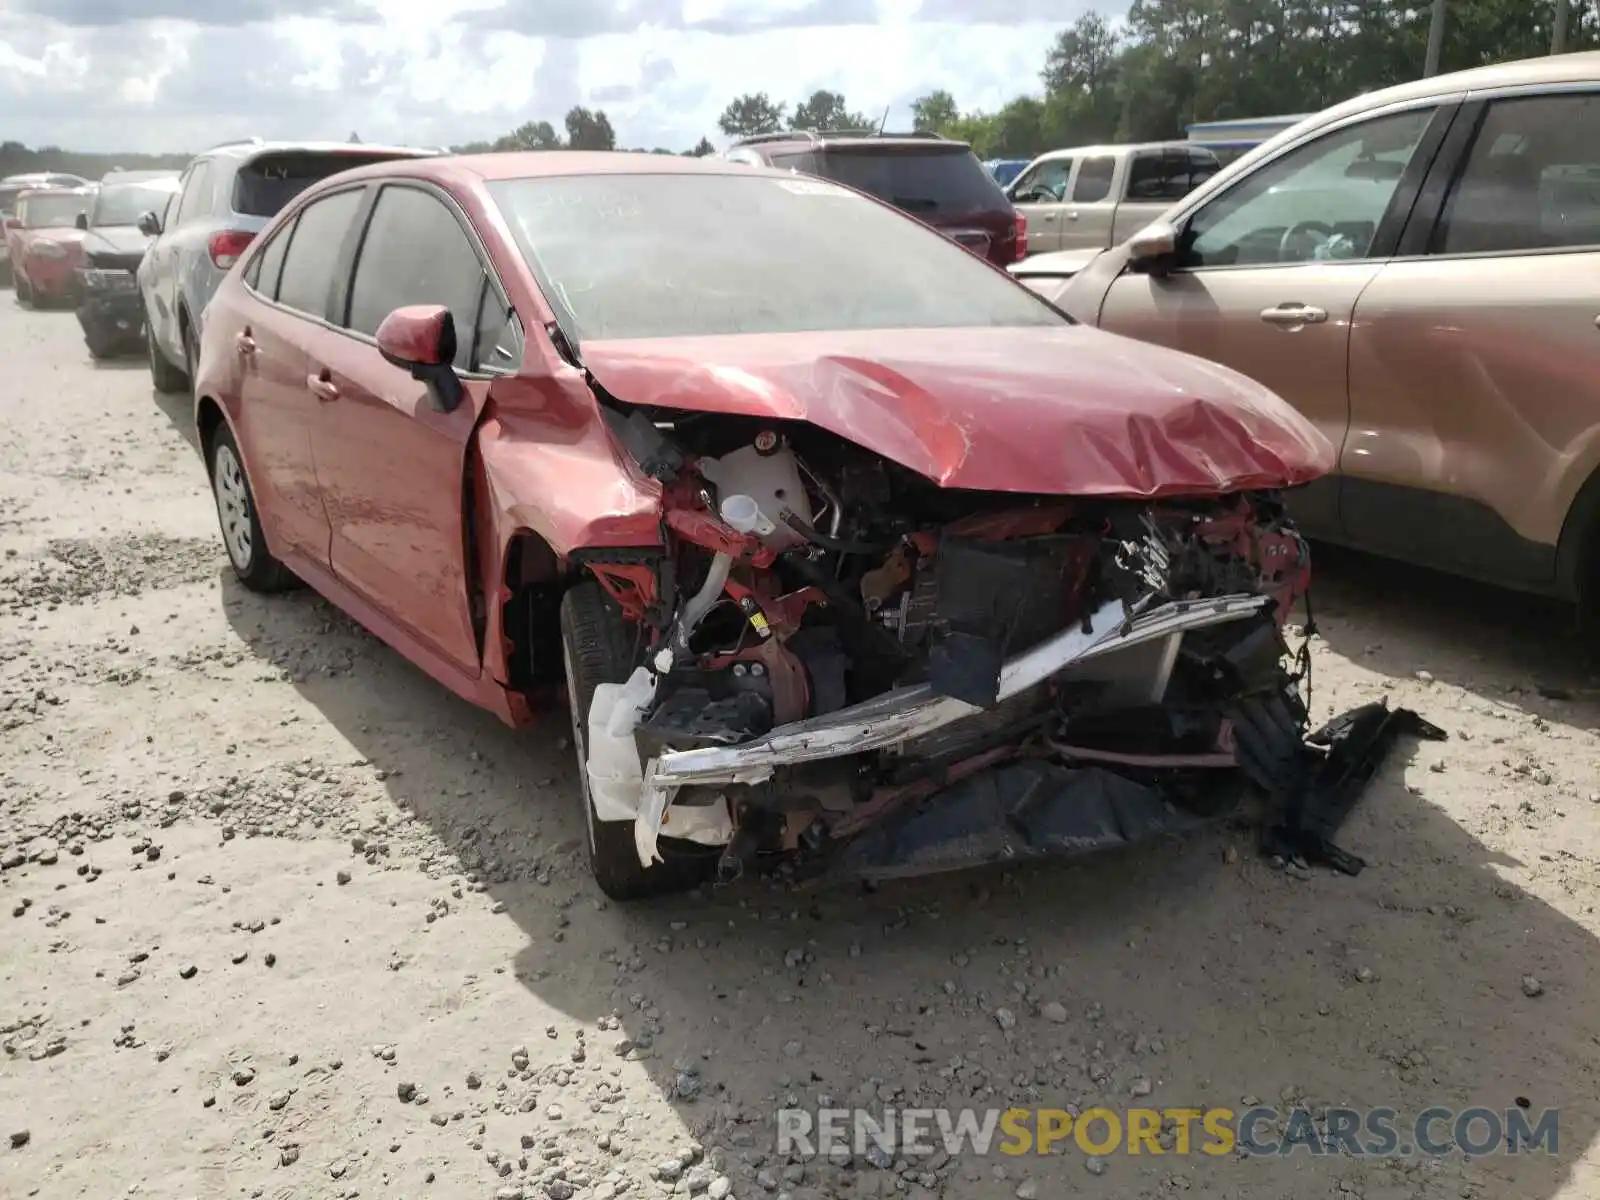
pixel 208 419
pixel 535 579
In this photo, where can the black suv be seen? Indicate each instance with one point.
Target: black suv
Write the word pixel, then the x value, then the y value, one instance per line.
pixel 938 181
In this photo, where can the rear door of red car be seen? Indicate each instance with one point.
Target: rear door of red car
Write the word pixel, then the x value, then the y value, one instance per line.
pixel 292 279
pixel 392 467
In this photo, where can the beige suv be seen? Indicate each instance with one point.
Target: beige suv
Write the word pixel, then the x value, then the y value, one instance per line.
pixel 1417 270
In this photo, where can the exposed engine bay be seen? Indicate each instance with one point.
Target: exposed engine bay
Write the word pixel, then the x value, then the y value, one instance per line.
pixel 845 664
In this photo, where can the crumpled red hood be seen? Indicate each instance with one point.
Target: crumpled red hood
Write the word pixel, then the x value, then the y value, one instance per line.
pixel 1071 410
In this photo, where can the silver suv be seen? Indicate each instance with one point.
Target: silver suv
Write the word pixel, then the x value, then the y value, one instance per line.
pixel 229 194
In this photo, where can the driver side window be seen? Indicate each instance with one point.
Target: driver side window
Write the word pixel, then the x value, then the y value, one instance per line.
pixel 1045 182
pixel 1321 201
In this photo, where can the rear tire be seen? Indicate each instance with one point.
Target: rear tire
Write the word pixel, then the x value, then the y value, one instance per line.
pixel 163 375
pixel 237 517
pixel 597 646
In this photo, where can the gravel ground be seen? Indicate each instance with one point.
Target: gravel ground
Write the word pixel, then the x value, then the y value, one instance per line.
pixel 288 920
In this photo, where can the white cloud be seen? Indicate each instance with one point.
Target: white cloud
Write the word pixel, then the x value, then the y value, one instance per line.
pixel 136 75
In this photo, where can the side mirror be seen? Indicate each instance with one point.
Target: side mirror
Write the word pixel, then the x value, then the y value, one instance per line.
pixel 81 221
pixel 421 339
pixel 1154 249
pixel 13 223
pixel 149 224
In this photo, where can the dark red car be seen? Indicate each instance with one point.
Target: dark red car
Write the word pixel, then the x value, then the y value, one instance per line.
pixel 45 243
pixel 935 179
pixel 847 547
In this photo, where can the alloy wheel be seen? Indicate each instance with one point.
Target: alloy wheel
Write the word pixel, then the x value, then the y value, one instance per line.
pixel 233 507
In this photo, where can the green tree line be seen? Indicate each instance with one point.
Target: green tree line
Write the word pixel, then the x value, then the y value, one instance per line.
pixel 17 159
pixel 1173 63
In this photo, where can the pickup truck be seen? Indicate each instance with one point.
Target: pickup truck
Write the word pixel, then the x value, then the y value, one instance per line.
pixel 1095 197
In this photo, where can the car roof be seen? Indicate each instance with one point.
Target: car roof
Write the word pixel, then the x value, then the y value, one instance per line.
pixel 533 164
pixel 50 191
pixel 159 182
pixel 1116 148
pixel 249 148
pixel 1583 67
pixel 836 137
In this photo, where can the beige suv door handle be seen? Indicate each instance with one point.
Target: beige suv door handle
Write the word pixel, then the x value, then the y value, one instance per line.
pixel 1294 314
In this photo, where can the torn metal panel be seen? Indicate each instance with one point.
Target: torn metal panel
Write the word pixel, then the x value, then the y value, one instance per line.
pixel 916 711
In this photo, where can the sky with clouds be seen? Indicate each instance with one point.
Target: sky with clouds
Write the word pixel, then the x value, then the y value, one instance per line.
pixel 172 75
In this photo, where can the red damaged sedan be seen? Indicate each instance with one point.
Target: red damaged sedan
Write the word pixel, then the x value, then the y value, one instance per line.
pixel 45 243
pixel 850 551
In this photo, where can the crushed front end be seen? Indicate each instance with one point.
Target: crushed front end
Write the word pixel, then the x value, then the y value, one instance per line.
pixel 851 668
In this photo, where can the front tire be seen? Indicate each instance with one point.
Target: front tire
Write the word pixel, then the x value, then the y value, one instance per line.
pixel 597 646
pixel 241 526
pixel 191 355
pixel 101 346
pixel 163 375
pixel 23 289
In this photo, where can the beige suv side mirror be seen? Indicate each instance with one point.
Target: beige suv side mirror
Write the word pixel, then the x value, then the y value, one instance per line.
pixel 1153 249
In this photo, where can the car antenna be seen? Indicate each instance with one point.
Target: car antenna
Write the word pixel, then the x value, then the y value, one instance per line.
pixel 884 123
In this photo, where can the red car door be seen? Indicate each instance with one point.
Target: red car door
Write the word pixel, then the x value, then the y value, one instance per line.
pixel 391 466
pixel 292 279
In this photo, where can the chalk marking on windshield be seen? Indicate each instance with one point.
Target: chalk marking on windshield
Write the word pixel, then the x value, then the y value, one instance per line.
pixel 812 187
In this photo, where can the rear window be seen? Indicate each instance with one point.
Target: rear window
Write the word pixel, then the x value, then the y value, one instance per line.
pixel 642 256
pixel 923 182
pixel 266 183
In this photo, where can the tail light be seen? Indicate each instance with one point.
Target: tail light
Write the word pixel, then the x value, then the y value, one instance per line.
pixel 1022 237
pixel 225 247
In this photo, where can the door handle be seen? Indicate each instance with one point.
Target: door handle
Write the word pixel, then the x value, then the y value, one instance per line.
pixel 1294 314
pixel 245 343
pixel 322 387
pixel 1049 216
pixel 1072 216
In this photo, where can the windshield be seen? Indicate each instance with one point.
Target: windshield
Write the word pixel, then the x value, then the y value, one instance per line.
pixel 639 256
pixel 926 183
pixel 122 204
pixel 53 212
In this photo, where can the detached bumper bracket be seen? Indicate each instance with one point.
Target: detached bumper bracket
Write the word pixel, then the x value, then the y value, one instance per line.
pixel 1315 805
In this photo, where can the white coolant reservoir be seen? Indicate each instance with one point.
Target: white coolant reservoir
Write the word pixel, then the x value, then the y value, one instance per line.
pixel 772 481
pixel 616 781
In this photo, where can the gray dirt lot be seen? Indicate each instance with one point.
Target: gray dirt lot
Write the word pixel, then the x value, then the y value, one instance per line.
pixel 273 881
